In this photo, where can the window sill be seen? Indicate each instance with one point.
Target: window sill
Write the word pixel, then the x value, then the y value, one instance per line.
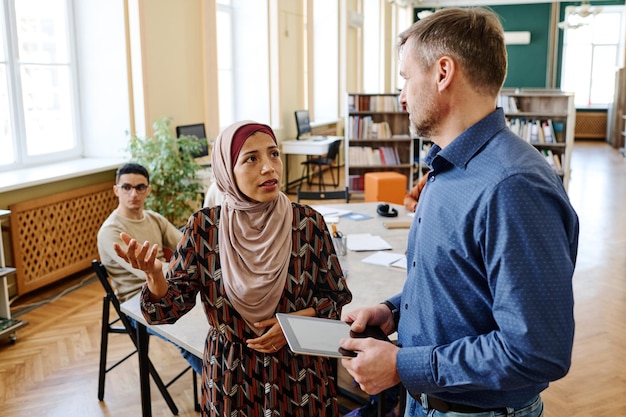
pixel 45 174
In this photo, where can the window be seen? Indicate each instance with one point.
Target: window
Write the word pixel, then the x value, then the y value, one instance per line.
pixel 243 56
pixel 37 83
pixel 325 60
pixel 591 55
pixel 372 56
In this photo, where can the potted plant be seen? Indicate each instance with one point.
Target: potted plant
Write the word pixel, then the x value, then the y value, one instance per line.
pixel 173 170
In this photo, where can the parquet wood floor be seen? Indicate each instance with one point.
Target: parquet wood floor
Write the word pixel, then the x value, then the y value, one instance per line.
pixel 52 369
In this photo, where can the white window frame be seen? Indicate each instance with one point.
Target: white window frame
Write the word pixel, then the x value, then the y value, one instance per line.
pixel 372 48
pixel 325 66
pixel 583 85
pixel 20 157
pixel 247 63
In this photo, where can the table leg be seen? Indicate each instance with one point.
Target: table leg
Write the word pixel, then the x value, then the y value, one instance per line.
pixel 144 370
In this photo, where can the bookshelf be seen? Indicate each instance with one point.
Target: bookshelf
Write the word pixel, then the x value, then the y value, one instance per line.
pixel 423 147
pixel 8 326
pixel 623 148
pixel 377 138
pixel 546 119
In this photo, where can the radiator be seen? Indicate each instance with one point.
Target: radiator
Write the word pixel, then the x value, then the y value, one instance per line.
pixel 54 237
pixel 590 125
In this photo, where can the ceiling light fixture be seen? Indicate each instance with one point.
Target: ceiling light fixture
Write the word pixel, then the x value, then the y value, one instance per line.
pixel 406 3
pixel 424 13
pixel 586 9
pixel 576 17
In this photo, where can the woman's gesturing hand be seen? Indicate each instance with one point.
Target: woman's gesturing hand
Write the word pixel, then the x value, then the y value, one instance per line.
pixel 143 257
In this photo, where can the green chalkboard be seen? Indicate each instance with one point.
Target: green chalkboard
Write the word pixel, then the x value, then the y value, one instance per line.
pixel 527 63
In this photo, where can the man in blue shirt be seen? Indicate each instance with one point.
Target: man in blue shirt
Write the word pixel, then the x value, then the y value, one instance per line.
pixel 485 319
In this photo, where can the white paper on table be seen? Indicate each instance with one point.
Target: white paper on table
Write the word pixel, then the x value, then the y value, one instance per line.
pixel 330 211
pixel 383 258
pixel 400 263
pixel 366 242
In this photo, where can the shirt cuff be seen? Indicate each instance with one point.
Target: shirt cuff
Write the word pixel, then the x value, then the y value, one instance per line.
pixel 415 369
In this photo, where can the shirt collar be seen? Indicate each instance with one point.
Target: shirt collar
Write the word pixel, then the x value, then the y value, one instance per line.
pixel 467 144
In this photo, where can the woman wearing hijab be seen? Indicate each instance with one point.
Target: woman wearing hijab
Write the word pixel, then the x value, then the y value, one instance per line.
pixel 256 255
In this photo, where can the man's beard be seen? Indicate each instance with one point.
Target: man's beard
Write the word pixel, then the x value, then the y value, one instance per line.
pixel 428 122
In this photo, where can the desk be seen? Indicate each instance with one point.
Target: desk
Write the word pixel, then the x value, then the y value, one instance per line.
pixel 370 284
pixel 304 147
pixel 189 332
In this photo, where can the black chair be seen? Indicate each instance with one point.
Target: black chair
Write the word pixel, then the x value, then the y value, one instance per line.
pixel 320 163
pixel 303 123
pixel 122 325
pixel 322 195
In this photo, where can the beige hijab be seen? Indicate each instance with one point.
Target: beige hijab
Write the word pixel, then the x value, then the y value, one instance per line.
pixel 254 238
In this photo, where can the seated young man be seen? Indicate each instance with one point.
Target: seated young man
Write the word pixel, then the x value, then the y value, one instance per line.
pixel 132 187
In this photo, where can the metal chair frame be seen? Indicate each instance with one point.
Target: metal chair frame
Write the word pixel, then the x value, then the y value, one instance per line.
pixel 320 163
pixel 122 325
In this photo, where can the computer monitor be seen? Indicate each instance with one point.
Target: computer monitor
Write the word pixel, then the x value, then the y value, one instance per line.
pixel 303 124
pixel 198 131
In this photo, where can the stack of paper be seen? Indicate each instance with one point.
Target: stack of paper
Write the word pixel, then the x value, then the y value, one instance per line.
pixel 365 242
pixel 330 211
pixel 396 260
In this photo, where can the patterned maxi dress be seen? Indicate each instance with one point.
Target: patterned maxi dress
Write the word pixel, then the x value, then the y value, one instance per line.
pixel 238 381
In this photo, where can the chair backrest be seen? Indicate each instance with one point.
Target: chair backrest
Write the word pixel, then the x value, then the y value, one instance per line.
pixel 198 131
pixel 103 277
pixel 323 195
pixel 303 123
pixel 333 150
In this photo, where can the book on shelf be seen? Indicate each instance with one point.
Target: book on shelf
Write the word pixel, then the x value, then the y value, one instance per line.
pixel 373 157
pixel 508 103
pixel 370 156
pixel 559 131
pixel 540 136
pixel 374 103
pixel 351 103
pixel 553 160
pixel 364 127
pixel 548 131
pixel 380 130
pixel 536 131
pixel 383 158
pixel 356 182
pixel 557 163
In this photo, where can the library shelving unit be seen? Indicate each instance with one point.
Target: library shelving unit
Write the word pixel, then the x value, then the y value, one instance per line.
pixel 623 149
pixel 8 326
pixel 423 147
pixel 546 118
pixel 377 138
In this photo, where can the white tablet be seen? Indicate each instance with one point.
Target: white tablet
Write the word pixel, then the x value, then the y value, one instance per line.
pixel 319 336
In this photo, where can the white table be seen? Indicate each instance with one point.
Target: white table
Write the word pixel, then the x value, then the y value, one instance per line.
pixel 370 284
pixel 305 146
pixel 189 331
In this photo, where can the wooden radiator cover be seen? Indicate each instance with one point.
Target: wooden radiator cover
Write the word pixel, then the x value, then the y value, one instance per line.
pixel 590 125
pixel 55 236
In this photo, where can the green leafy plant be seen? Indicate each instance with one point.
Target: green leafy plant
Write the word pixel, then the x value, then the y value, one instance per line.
pixel 173 171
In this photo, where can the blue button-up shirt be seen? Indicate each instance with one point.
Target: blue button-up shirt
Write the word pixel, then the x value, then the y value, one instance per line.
pixel 486 314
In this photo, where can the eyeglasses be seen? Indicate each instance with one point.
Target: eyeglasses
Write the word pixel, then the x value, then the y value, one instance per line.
pixel 140 188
